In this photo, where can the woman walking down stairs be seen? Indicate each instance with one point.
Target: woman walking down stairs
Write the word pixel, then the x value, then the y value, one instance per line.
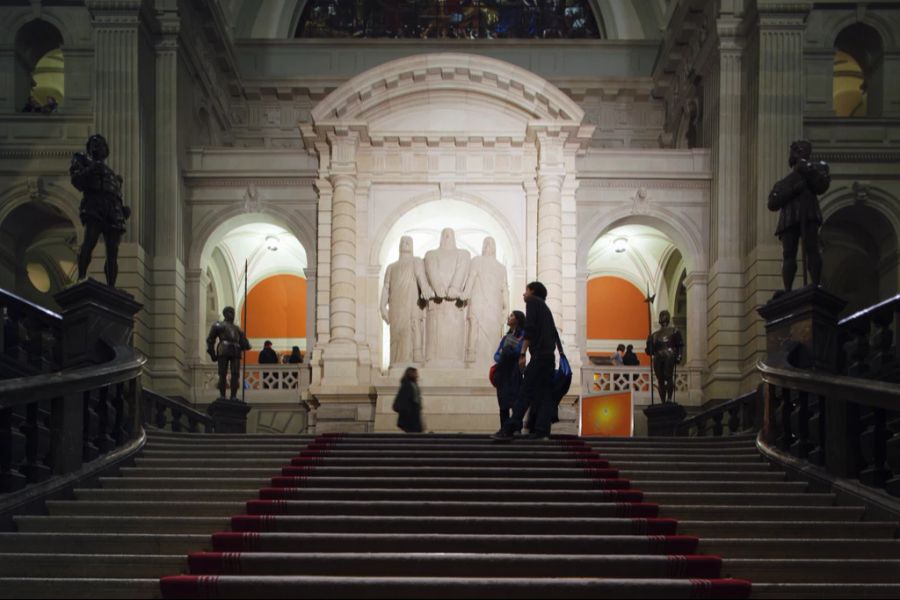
pixel 447 516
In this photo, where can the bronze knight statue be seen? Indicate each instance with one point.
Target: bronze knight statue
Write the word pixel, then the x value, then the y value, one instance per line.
pixel 102 210
pixel 796 197
pixel 664 346
pixel 232 343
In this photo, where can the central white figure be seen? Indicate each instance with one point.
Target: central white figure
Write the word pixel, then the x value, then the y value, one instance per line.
pixel 404 284
pixel 446 268
pixel 487 292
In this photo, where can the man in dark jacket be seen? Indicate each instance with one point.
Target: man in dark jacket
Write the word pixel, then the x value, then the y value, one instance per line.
pixel 540 341
pixel 267 356
pixel 800 218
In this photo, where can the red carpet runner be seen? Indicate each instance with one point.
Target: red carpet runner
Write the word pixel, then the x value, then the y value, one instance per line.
pixel 434 522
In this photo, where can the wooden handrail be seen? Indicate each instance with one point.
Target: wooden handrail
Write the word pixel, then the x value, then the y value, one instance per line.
pixel 19 391
pixel 7 297
pixel 892 304
pixel 865 392
pixel 156 404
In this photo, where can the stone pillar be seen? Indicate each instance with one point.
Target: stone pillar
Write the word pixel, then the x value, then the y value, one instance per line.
pixel 310 273
pixel 726 273
pixel 168 364
pixel 118 32
pixel 340 354
pixel 551 173
pixel 117 114
pixel 695 284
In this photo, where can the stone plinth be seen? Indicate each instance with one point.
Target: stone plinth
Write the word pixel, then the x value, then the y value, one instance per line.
pixel 662 419
pixel 230 416
pixel 801 328
pixel 96 318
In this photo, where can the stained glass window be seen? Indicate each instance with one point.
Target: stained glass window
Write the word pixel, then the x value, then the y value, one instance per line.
pixel 448 19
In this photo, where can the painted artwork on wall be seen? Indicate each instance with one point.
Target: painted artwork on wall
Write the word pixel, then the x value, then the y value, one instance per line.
pixel 607 415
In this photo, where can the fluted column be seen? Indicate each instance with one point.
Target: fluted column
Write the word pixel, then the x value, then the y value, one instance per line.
pixel 726 217
pixel 695 283
pixel 340 355
pixel 780 111
pixel 310 273
pixel 550 176
pixel 117 115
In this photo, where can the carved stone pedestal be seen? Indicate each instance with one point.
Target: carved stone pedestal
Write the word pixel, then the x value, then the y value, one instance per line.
pixel 230 416
pixel 801 329
pixel 96 319
pixel 662 419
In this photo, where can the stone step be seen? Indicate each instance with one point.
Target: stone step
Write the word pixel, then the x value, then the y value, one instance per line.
pixel 164 494
pixel 186 483
pixel 104 543
pixel 117 565
pixel 801 548
pixel 755 512
pixel 788 529
pixel 451 587
pixel 803 570
pixel 825 590
pixel 662 484
pixel 683 475
pixel 165 449
pixel 43 587
pixel 449 509
pixel 352 474
pixel 446 564
pixel 62 508
pixel 94 524
pixel 740 499
pixel 453 542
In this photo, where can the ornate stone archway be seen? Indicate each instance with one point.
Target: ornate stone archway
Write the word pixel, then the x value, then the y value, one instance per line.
pixel 449 126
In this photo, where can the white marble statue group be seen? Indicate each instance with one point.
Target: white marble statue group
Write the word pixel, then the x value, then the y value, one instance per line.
pixel 448 310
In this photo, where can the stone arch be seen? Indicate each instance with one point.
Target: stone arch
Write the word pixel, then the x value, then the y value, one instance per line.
pixel 500 81
pixel 874 197
pixel 378 241
pixel 49 193
pixel 889 37
pixel 215 224
pixel 680 230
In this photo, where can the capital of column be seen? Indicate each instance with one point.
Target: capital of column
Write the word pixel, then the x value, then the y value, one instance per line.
pixel 695 277
pixel 550 180
pixel 343 180
pixel 114 12
pixel 343 143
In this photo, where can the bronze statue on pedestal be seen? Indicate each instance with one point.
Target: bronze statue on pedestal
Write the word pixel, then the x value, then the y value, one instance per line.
pixel 664 346
pixel 102 210
pixel 796 197
pixel 232 344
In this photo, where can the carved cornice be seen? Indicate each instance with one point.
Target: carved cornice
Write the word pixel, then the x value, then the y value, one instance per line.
pixel 653 184
pixel 198 180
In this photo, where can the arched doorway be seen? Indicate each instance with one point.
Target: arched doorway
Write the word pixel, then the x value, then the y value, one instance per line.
pixel 860 256
pixel 39 248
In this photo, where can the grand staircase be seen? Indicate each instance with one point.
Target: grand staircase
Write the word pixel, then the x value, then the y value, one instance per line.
pixel 253 516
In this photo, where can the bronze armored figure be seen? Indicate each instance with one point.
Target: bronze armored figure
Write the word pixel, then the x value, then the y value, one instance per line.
pixel 796 197
pixel 664 346
pixel 232 343
pixel 102 210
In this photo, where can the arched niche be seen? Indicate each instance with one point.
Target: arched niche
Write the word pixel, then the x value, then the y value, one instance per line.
pixel 39 67
pixel 858 82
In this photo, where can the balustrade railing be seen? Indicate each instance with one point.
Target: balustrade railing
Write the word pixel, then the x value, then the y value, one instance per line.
pixel 848 425
pixel 263 383
pixel 50 424
pixel 741 415
pixel 597 380
pixel 868 344
pixel 29 339
pixel 170 414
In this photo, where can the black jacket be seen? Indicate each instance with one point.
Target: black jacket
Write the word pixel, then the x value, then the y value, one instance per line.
pixel 267 356
pixel 540 329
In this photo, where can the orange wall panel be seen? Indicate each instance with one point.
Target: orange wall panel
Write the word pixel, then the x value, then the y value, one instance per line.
pixel 615 310
pixel 276 308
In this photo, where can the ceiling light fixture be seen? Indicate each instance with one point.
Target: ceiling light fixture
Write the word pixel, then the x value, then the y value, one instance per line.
pixel 272 242
pixel 620 245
